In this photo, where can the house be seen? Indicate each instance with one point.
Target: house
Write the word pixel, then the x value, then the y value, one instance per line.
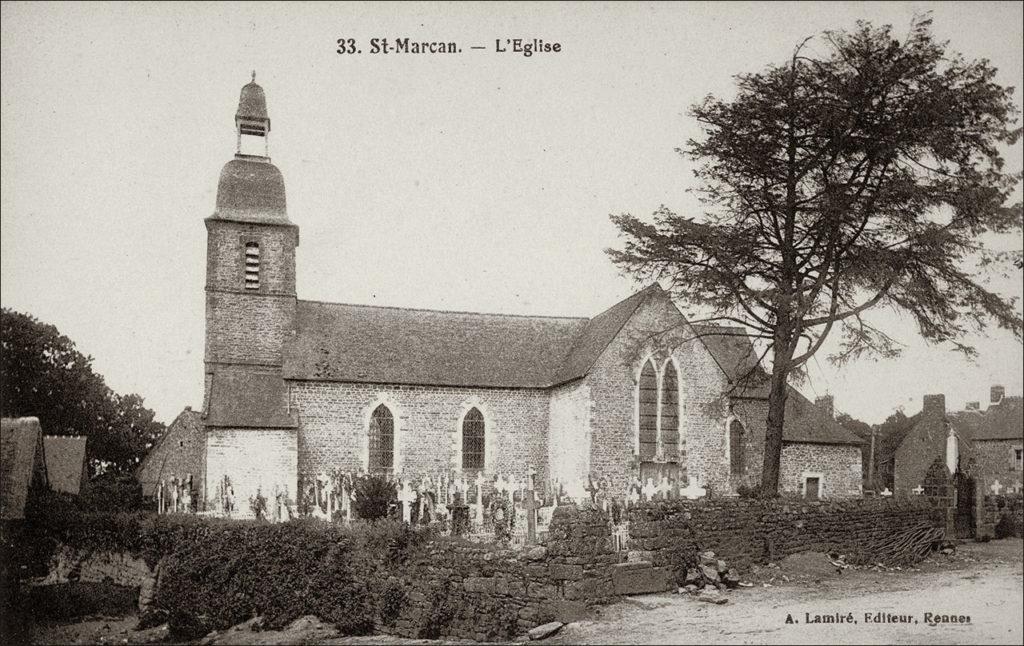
pixel 22 464
pixel 297 389
pixel 179 453
pixel 65 462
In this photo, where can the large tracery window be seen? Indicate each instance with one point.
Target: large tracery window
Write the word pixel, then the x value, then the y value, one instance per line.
pixel 670 413
pixel 382 440
pixel 473 440
pixel 736 433
pixel 648 412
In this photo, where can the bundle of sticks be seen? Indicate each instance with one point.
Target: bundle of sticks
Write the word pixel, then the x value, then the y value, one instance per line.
pixel 907 546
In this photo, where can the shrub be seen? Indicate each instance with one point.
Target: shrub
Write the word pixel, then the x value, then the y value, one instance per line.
pixel 111 492
pixel 392 599
pixel 374 495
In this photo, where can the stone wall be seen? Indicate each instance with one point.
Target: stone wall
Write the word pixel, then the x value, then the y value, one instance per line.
pixel 255 460
pixel 1001 516
pixel 569 432
pixel 994 460
pixel 334 421
pixel 657 331
pixel 469 591
pixel 85 566
pixel 838 467
pixel 746 532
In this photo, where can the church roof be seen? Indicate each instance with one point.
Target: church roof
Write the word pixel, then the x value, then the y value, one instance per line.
pixel 251 189
pixel 252 102
pixel 249 399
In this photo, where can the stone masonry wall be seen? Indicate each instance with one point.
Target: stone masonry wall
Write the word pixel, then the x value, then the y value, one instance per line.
pixel 569 432
pixel 838 466
pixel 69 564
pixel 994 460
pixel 1001 516
pixel 657 330
pixel 254 460
pixel 746 532
pixel 334 420
pixel 474 592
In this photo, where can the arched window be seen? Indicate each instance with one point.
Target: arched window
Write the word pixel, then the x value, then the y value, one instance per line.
pixel 382 440
pixel 473 440
pixel 736 432
pixel 648 412
pixel 252 265
pixel 670 413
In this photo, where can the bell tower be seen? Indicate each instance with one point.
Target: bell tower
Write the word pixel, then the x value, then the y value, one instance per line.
pixel 250 315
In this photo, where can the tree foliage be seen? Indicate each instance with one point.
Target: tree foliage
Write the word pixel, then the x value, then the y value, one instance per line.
pixel 869 175
pixel 43 375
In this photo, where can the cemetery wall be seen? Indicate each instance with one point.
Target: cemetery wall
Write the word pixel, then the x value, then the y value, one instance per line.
pixel 1002 515
pixel 745 532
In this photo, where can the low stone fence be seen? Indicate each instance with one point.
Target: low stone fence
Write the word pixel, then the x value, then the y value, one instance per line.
pixel 745 532
pixel 470 591
pixel 1001 515
pixel 87 566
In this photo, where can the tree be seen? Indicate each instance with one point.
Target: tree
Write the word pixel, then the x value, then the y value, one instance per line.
pixel 865 177
pixel 42 374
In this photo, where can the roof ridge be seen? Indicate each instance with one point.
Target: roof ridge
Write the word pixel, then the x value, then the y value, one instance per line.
pixel 437 311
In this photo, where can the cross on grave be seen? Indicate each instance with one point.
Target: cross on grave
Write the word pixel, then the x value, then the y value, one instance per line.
pixel 530 504
pixel 479 498
pixel 1017 486
pixel 591 488
pixel 531 478
pixel 996 487
pixel 664 487
pixel 649 490
pixel 885 492
pixel 694 491
pixel 918 490
pixel 633 497
pixel 407 497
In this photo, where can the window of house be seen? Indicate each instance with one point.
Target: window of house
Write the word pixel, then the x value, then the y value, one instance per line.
pixel 812 487
pixel 670 413
pixel 1018 459
pixel 648 412
pixel 382 440
pixel 736 457
pixel 473 440
pixel 252 265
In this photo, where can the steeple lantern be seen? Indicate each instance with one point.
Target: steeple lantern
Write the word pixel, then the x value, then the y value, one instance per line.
pixel 251 117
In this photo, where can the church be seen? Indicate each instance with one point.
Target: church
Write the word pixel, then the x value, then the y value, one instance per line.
pixel 297 388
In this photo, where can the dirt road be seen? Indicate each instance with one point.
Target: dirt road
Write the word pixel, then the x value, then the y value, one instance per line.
pixel 983 582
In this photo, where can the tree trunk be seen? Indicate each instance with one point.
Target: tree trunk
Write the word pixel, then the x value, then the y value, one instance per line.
pixel 776 417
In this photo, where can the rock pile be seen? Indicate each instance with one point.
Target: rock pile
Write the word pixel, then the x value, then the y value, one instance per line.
pixel 710 577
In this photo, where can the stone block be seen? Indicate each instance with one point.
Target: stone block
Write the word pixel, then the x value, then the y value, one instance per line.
pixel 640 580
pixel 565 571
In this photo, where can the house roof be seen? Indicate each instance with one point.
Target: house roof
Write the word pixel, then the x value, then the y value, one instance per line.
pixel 249 399
pixel 65 462
pixel 806 422
pixel 21 457
pixel 1002 421
pixel 188 422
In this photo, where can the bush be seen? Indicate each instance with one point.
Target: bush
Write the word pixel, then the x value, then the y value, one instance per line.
pixel 111 493
pixel 374 495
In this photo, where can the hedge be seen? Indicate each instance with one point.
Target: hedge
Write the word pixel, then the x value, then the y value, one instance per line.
pixel 218 572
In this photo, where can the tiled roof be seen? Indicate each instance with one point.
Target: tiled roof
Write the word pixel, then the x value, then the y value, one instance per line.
pixel 65 462
pixel 1002 421
pixel 806 422
pixel 21 456
pixel 249 399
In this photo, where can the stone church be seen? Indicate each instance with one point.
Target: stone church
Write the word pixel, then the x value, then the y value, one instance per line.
pixel 297 388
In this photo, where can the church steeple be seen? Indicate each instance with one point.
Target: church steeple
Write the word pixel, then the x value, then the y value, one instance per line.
pixel 251 117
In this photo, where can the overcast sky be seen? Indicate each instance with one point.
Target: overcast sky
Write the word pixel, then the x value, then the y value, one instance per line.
pixel 478 181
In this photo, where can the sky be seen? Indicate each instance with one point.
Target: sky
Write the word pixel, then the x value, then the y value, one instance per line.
pixel 480 181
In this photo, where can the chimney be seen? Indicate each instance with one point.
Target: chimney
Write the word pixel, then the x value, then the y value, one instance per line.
pixel 934 406
pixel 996 394
pixel 973 406
pixel 826 404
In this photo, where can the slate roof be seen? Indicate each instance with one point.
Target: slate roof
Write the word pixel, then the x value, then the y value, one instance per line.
pixel 806 422
pixel 65 462
pixel 1002 421
pixel 249 399
pixel 21 457
pixel 251 189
